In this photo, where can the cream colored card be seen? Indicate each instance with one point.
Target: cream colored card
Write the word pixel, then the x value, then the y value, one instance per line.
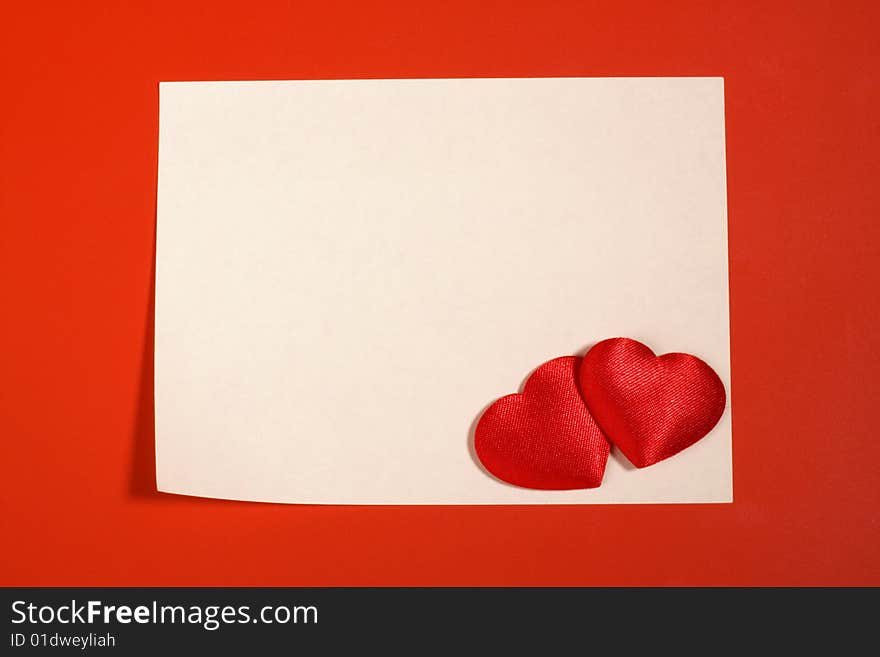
pixel 348 272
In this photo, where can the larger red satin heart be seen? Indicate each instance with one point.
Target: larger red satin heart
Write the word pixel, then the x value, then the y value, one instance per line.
pixel 544 437
pixel 650 407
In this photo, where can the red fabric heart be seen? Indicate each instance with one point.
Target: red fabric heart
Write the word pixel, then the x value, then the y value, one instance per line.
pixel 544 437
pixel 651 407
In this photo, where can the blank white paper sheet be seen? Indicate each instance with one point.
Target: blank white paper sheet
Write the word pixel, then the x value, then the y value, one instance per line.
pixel 350 271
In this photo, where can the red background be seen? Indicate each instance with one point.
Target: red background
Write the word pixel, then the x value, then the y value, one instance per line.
pixel 77 204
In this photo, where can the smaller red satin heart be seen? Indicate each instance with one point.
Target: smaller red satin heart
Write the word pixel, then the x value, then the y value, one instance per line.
pixel 650 407
pixel 544 437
